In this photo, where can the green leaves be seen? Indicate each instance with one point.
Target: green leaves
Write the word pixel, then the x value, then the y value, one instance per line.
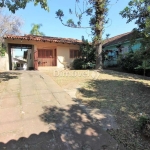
pixel 136 10
pixel 2 51
pixel 35 30
pixel 21 4
pixel 59 14
pixel 130 61
pixel 92 21
pixel 71 23
pixel 148 8
pixel 139 12
pixel 89 11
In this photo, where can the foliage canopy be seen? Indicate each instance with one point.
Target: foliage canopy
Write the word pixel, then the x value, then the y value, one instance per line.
pixel 9 24
pixel 139 11
pixel 35 30
pixel 21 4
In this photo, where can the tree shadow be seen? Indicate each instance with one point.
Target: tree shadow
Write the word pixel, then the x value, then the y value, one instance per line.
pixel 77 128
pixel 71 129
pixel 6 76
pixel 127 99
pixel 124 74
pixel 43 141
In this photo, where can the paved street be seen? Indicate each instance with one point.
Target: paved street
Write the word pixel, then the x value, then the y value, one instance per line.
pixel 36 114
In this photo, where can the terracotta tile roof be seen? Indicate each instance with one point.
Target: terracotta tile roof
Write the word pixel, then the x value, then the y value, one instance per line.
pixel 118 39
pixel 44 39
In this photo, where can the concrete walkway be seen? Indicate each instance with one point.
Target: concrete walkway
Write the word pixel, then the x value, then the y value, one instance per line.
pixel 36 114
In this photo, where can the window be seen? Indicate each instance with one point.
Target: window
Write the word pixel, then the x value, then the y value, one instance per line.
pixel 74 53
pixel 45 53
pixel 18 65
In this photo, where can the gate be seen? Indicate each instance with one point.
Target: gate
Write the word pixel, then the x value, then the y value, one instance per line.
pixel 36 60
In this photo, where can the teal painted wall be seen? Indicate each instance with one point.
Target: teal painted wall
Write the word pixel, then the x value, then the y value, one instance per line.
pixel 135 47
pixel 126 45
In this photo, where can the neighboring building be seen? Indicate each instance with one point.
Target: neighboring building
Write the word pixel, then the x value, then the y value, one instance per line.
pixel 19 64
pixel 44 52
pixel 116 45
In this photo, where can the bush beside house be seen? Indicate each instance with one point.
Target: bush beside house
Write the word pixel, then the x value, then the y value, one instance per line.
pixel 129 61
pixel 135 62
pixel 87 57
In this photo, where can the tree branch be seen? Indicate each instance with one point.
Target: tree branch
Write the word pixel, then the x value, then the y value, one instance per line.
pixel 73 26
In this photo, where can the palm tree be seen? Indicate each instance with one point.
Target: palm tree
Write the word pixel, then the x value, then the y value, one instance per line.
pixel 35 30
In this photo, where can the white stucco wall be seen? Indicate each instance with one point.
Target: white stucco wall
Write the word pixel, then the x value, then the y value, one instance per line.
pixel 4 63
pixel 63 55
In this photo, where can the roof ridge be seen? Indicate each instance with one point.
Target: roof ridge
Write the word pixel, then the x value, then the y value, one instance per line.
pixel 43 38
pixel 121 34
pixel 116 38
pixel 51 37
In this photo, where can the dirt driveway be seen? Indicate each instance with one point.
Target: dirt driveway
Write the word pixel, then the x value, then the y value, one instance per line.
pixel 36 114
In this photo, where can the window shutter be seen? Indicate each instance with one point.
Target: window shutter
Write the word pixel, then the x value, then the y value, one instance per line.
pixel 71 53
pixel 39 53
pixel 47 54
pixel 44 53
pixel 74 54
pixel 51 53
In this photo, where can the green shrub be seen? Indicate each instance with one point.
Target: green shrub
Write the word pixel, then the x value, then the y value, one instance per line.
pixel 128 62
pixel 87 51
pixel 78 63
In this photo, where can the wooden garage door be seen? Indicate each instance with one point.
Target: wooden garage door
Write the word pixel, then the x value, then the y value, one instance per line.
pixel 46 57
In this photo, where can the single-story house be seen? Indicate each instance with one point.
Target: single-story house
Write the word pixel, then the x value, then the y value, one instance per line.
pixel 116 45
pixel 43 52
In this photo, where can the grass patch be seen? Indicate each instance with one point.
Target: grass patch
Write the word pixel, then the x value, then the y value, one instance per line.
pixel 126 95
pixel 67 77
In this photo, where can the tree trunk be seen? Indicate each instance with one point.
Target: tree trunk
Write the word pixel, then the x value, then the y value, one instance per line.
pixel 98 30
pixel 99 56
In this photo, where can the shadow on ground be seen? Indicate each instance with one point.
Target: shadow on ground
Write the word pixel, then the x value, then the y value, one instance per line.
pixel 5 76
pixel 71 129
pixel 126 99
pixel 124 75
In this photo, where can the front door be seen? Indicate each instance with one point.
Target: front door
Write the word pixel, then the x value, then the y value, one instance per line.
pixel 36 60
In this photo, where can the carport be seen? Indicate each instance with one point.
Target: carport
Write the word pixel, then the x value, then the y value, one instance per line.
pixel 16 46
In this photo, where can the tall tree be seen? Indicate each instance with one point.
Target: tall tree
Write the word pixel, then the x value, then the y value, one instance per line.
pixel 139 11
pixel 97 10
pixel 9 24
pixel 35 30
pixel 14 5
